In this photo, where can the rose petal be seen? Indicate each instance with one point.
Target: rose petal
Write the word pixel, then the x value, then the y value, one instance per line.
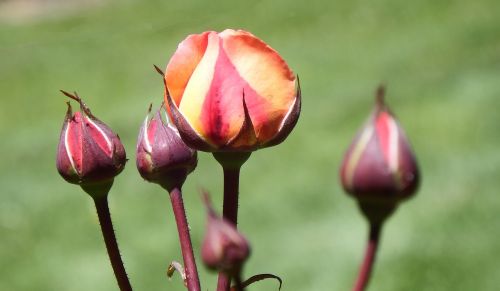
pixel 183 63
pixel 223 113
pixel 212 101
pixel 289 121
pixel 74 142
pixel 269 77
pixel 199 84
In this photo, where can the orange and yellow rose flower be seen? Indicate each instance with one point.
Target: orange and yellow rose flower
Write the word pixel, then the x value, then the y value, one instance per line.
pixel 230 91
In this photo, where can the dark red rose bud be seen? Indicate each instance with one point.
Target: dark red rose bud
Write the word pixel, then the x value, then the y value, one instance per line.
pixel 162 156
pixel 89 152
pixel 379 168
pixel 224 248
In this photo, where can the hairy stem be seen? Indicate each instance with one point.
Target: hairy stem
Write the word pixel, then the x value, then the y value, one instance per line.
pixel 192 280
pixel 101 204
pixel 369 260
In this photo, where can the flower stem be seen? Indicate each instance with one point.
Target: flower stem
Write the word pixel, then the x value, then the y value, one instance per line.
pixel 229 212
pixel 101 204
pixel 231 163
pixel 369 260
pixel 192 280
pixel 238 282
pixel 231 195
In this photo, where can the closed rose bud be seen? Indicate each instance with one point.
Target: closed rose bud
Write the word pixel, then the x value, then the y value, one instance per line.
pixel 224 248
pixel 162 156
pixel 379 168
pixel 89 152
pixel 230 91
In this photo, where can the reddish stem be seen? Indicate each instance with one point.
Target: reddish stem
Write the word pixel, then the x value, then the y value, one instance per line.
pixel 192 280
pixel 101 204
pixel 231 195
pixel 230 212
pixel 369 260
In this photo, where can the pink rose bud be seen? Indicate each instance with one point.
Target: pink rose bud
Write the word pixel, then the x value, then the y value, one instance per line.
pixel 230 91
pixel 162 156
pixel 89 152
pixel 379 168
pixel 224 248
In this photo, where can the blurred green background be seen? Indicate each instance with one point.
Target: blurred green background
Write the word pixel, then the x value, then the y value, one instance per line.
pixel 439 59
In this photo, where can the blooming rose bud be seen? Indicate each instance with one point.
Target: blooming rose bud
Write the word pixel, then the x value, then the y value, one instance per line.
pixel 379 168
pixel 89 152
pixel 230 91
pixel 224 248
pixel 162 156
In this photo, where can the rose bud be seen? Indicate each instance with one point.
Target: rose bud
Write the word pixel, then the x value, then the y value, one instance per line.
pixel 162 156
pixel 379 168
pixel 230 91
pixel 224 248
pixel 89 153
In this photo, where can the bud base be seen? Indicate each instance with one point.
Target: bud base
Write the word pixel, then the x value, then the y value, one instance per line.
pixel 231 160
pixel 376 212
pixel 98 190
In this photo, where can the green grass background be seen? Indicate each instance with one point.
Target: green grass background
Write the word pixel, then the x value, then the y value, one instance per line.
pixel 440 60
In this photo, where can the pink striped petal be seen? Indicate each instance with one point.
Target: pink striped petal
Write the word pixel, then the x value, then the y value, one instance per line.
pixel 74 142
pixel 388 137
pixel 222 113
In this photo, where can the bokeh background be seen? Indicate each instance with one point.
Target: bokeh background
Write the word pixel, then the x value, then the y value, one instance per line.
pixel 439 59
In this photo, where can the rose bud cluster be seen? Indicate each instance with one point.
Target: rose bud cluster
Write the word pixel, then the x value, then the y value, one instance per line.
pixel 379 168
pixel 89 153
pixel 230 91
pixel 224 248
pixel 162 156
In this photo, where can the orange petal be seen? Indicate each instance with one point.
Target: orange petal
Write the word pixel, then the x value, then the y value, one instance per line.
pixel 183 63
pixel 269 77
